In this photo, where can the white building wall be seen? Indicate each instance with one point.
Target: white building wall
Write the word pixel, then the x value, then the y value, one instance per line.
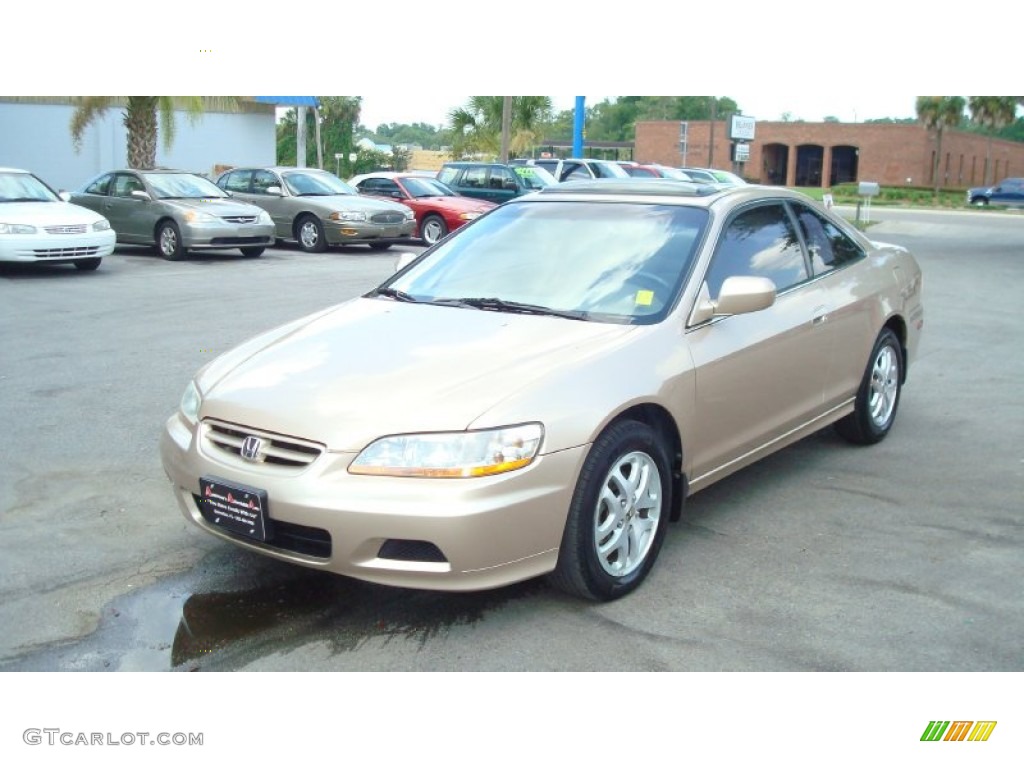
pixel 37 137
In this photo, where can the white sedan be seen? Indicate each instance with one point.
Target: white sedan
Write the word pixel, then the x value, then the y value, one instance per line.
pixel 39 226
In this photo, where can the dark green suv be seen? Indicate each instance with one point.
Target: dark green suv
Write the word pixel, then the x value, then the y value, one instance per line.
pixel 494 181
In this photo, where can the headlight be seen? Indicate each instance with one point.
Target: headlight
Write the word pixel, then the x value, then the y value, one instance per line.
pixel 17 229
pixel 469 216
pixel 100 226
pixel 190 402
pixel 347 216
pixel 409 214
pixel 451 454
pixel 191 216
pixel 265 218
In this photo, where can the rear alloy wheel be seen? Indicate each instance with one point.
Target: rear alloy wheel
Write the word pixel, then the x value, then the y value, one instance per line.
pixel 88 265
pixel 254 252
pixel 879 395
pixel 433 229
pixel 168 241
pixel 310 234
pixel 618 516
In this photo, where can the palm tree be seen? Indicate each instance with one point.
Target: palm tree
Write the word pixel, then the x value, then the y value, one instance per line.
pixel 141 115
pixel 476 127
pixel 937 113
pixel 994 113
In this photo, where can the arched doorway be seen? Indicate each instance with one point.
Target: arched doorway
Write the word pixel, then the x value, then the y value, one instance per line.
pixel 775 161
pixel 844 165
pixel 809 158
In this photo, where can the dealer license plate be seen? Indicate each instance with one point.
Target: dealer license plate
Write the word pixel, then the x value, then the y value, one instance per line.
pixel 236 508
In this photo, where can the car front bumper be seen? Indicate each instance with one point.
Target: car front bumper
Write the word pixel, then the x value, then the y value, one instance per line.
pixel 202 235
pixel 489 531
pixel 56 249
pixel 342 233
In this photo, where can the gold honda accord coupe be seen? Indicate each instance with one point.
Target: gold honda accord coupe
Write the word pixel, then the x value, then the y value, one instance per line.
pixel 540 392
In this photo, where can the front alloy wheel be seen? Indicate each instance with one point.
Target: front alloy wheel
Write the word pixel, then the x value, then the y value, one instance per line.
pixel 618 516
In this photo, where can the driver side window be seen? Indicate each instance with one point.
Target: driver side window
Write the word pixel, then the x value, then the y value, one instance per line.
pixel 759 242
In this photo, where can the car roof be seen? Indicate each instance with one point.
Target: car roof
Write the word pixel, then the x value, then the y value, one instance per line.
pixel 664 191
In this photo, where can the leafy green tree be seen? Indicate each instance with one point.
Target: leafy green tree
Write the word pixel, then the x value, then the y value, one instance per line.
pixel 476 127
pixel 937 113
pixel 993 113
pixel 145 119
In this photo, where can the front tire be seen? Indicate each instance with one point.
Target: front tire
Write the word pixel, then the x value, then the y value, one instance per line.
pixel 88 265
pixel 618 515
pixel 168 241
pixel 310 234
pixel 433 229
pixel 879 394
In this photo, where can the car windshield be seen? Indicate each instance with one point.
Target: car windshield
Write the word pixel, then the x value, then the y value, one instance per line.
pixel 674 173
pixel 181 185
pixel 315 183
pixel 24 188
pixel 603 170
pixel 727 178
pixel 609 262
pixel 534 177
pixel 418 186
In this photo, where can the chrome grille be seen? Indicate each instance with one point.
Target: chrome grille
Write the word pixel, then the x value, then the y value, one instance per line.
pixel 241 219
pixel 276 450
pixel 63 253
pixel 389 217
pixel 70 229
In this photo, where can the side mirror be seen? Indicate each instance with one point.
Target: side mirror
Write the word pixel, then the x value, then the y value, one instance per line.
pixel 66 197
pixel 140 194
pixel 397 194
pixel 274 190
pixel 738 296
pixel 404 260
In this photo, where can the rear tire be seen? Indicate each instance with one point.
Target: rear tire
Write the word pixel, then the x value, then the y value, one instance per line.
pixel 879 394
pixel 618 515
pixel 88 265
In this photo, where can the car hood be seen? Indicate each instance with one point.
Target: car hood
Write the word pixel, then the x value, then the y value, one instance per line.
pixel 363 203
pixel 215 206
pixel 43 214
pixel 462 204
pixel 373 367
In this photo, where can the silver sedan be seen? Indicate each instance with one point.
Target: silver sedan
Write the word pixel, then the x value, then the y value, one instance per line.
pixel 316 209
pixel 176 211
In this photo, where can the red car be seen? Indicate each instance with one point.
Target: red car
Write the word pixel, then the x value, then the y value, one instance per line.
pixel 438 209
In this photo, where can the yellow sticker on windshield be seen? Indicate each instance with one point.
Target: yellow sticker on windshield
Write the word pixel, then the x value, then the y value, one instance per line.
pixel 644 298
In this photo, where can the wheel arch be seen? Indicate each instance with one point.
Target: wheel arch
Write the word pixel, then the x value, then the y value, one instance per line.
pixel 299 217
pixel 159 223
pixel 660 420
pixel 898 326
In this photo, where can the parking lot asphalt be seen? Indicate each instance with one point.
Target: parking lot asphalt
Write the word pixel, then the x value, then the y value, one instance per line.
pixel 900 557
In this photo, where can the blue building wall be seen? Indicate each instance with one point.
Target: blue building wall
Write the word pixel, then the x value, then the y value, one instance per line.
pixel 37 137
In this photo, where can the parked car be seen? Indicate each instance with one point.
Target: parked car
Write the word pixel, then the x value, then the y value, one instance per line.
pixel 40 226
pixel 714 176
pixel 176 212
pixel 557 377
pixel 437 208
pixel 317 209
pixel 495 182
pixel 575 168
pixel 654 171
pixel 1008 192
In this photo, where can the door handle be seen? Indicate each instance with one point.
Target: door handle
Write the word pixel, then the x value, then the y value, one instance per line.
pixel 820 315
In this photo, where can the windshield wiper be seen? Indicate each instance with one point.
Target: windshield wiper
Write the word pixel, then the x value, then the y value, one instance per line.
pixel 501 305
pixel 394 293
pixel 25 200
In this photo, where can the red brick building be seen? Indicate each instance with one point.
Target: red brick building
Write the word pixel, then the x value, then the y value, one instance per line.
pixel 825 154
